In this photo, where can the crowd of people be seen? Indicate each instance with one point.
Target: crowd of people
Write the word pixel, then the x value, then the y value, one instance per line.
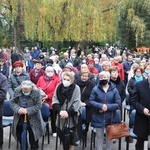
pixel 98 81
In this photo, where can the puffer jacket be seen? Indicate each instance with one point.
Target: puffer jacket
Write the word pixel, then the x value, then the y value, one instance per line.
pixel 48 85
pixel 14 81
pixel 111 98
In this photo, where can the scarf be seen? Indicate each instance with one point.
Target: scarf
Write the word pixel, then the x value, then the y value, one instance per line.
pixel 64 93
pixel 137 79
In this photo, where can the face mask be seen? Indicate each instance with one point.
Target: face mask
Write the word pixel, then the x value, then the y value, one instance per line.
pixel 26 94
pixel 103 82
pixel 147 71
pixel 84 61
pixel 49 74
pixel 66 83
pixel 41 57
pixel 96 62
pixel 73 57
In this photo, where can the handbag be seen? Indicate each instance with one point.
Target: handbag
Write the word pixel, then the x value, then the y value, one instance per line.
pixel 118 130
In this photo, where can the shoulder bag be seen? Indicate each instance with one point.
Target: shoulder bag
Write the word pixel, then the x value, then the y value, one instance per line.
pixel 118 130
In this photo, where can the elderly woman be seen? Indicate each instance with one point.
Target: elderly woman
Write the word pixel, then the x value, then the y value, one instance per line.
pixel 105 100
pixel 86 86
pixel 48 83
pixel 67 103
pixel 106 65
pixel 27 101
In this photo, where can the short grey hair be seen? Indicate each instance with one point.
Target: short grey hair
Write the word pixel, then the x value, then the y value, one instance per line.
pixel 49 68
pixel 105 73
pixel 27 84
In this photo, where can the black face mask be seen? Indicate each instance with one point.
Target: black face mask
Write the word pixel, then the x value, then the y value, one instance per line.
pixel 41 57
pixel 103 82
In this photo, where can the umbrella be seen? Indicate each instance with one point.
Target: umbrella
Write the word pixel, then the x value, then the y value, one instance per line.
pixel 66 138
pixel 24 134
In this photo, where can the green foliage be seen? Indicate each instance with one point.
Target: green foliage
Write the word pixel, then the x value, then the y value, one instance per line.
pixel 135 21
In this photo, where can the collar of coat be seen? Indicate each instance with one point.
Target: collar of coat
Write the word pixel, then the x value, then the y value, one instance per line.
pixel 18 92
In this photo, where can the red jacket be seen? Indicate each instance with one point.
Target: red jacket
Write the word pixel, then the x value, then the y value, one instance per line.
pixel 121 70
pixel 48 86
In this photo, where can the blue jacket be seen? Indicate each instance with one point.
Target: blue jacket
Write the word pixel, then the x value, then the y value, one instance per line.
pixel 112 99
pixel 35 54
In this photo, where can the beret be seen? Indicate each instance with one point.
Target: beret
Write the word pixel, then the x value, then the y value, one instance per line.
pixel 18 63
pixel 91 61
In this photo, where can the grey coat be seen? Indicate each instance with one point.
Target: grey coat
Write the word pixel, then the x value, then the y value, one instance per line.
pixel 33 105
pixel 3 91
pixel 14 81
pixel 75 102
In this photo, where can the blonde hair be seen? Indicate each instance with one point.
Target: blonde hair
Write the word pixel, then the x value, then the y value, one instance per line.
pixel 69 74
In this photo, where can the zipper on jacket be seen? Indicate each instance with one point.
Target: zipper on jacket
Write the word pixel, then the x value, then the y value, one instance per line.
pixel 104 112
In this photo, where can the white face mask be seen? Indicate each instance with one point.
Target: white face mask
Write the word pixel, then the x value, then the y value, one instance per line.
pixel 84 61
pixel 26 94
pixel 73 57
pixel 49 74
pixel 66 83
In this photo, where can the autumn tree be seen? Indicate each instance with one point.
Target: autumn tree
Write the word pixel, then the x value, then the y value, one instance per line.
pixel 79 20
pixel 61 20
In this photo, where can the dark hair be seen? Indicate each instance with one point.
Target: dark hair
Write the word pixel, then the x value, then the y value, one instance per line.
pixel 138 68
pixel 50 61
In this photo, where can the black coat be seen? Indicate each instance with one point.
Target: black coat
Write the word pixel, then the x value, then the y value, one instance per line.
pixel 120 87
pixel 131 85
pixel 141 100
pixel 3 91
pixel 86 89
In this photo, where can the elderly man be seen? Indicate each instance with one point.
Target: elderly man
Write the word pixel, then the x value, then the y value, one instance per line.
pixel 141 102
pixel 64 61
pixel 16 77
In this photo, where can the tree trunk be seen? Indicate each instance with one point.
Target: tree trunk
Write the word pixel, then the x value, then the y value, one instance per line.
pixel 16 35
pixel 84 45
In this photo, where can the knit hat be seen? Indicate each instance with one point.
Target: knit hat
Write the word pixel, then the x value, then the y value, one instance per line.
pixel 18 64
pixel 69 65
